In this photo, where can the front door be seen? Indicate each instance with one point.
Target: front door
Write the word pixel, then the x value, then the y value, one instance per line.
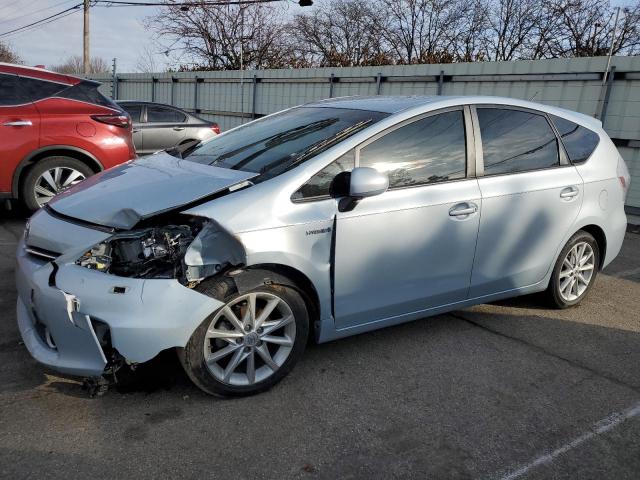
pixel 531 196
pixel 411 248
pixel 19 127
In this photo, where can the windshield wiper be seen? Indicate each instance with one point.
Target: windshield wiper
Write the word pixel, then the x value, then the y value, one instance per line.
pixel 184 149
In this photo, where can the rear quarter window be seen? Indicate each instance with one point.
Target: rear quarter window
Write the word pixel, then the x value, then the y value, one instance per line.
pixel 579 142
pixel 86 91
pixel 39 89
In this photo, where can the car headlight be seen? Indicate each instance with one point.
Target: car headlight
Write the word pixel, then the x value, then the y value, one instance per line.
pixel 154 252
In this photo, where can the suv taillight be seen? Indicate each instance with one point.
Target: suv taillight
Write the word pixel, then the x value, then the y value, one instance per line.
pixel 216 128
pixel 119 120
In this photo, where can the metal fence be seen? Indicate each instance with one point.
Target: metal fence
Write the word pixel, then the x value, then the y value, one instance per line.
pixel 233 97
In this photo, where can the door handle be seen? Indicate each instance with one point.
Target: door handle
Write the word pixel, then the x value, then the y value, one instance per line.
pixel 135 130
pixel 18 123
pixel 178 129
pixel 569 192
pixel 463 209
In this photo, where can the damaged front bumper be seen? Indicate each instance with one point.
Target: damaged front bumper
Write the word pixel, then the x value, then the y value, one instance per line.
pixel 65 316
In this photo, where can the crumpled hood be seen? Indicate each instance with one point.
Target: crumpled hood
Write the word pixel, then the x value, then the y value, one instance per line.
pixel 122 196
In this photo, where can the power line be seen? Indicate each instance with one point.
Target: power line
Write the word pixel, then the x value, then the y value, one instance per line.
pixel 41 21
pixel 125 3
pixel 34 27
pixel 35 11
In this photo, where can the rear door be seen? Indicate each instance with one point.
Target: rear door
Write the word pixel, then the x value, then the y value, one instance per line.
pixel 410 249
pixel 531 195
pixel 164 128
pixel 19 127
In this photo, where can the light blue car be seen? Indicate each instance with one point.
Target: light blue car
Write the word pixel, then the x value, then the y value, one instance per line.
pixel 324 221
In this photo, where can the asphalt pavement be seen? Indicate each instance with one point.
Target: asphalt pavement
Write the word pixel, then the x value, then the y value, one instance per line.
pixel 499 391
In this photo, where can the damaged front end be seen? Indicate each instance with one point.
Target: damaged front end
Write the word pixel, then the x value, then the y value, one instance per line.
pixel 188 249
pixel 116 298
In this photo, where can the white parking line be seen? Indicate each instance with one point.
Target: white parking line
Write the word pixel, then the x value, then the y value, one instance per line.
pixel 603 426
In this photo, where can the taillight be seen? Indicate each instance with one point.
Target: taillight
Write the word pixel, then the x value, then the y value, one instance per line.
pixel 623 175
pixel 216 128
pixel 119 120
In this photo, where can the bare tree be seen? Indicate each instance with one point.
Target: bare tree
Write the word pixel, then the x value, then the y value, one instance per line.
pixel 146 62
pixel 74 65
pixel 469 35
pixel 585 28
pixel 8 55
pixel 419 31
pixel 342 33
pixel 512 25
pixel 223 37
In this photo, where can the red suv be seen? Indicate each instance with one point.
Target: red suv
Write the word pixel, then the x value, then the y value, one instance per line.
pixel 55 130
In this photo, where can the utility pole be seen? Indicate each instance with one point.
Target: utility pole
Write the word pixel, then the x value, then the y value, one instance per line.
pixel 85 40
pixel 613 41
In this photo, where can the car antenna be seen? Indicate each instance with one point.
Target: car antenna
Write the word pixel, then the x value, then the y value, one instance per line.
pixel 533 96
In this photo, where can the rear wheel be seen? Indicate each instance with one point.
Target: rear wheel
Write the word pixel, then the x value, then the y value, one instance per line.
pixel 249 344
pixel 575 271
pixel 50 176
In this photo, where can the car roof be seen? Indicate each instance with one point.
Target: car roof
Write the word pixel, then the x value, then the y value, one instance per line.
pixel 150 103
pixel 39 73
pixel 396 104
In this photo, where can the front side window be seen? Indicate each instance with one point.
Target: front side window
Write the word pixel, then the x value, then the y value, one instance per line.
pixel 578 141
pixel 516 141
pixel 272 145
pixel 319 186
pixel 164 115
pixel 429 150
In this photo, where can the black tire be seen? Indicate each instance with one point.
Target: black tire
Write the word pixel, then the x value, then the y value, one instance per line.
pixel 553 294
pixel 192 355
pixel 27 190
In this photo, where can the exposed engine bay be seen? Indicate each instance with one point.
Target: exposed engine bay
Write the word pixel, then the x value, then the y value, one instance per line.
pixel 152 252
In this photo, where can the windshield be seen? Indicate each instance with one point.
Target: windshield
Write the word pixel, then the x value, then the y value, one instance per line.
pixel 278 143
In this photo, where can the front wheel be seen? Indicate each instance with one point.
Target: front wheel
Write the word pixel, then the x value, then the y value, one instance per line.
pixel 575 271
pixel 50 176
pixel 250 343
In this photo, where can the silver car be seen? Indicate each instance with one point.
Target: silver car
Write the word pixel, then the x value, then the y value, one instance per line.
pixel 157 126
pixel 323 221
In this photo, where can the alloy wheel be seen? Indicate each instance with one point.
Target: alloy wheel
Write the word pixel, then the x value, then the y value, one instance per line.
pixel 54 181
pixel 249 339
pixel 577 271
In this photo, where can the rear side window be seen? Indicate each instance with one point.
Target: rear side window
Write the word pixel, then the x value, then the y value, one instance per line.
pixel 86 91
pixel 40 89
pixel 429 150
pixel 133 110
pixel 578 141
pixel 319 186
pixel 10 91
pixel 164 115
pixel 516 141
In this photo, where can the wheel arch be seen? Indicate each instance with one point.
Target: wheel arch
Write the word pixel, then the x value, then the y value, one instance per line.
pixel 601 240
pixel 253 276
pixel 51 150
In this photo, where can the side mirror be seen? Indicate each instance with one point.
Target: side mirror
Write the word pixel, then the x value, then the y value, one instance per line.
pixel 367 182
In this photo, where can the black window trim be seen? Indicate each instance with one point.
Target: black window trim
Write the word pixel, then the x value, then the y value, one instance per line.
pixel 562 154
pixel 564 149
pixel 471 150
pixel 168 107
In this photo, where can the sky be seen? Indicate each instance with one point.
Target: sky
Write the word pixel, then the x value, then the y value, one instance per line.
pixel 115 32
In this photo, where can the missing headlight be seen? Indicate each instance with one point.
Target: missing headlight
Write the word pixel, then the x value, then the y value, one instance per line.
pixel 153 252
